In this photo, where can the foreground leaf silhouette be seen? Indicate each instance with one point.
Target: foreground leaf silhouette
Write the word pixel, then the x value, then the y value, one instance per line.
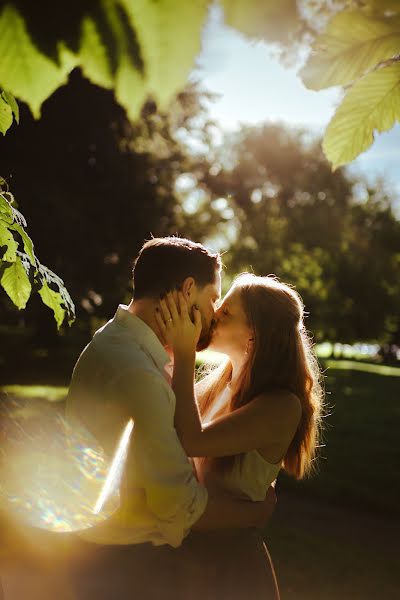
pixel 20 269
pixel 371 105
pixel 352 45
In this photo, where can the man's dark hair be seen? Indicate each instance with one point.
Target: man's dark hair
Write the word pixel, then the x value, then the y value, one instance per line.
pixel 164 263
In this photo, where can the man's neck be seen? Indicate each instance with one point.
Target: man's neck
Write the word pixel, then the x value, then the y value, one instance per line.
pixel 145 309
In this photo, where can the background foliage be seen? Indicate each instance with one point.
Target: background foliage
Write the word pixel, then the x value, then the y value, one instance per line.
pixel 20 268
pixel 124 149
pixel 139 49
pixel 109 164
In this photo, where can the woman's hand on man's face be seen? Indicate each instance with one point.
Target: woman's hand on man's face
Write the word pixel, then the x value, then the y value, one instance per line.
pixel 180 333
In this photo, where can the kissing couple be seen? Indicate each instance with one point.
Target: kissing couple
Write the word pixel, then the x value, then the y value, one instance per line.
pixel 197 485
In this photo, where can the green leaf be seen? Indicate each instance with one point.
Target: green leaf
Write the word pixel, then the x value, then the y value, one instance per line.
pixel 15 278
pixel 9 98
pixel 16 283
pixel 7 239
pixel 93 55
pixel 129 89
pixel 24 71
pixel 268 19
pixel 383 6
pixel 53 300
pixel 137 47
pixel 168 33
pixel 28 244
pixel 352 45
pixel 129 84
pixel 6 211
pixel 372 104
pixel 61 297
pixel 6 117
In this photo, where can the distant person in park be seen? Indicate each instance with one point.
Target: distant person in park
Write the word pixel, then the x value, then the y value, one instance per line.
pixel 258 412
pixel 156 545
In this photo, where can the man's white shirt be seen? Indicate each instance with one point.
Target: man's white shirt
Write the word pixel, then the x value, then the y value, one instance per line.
pixel 121 375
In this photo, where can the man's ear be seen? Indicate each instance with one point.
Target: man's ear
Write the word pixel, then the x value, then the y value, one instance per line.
pixel 189 287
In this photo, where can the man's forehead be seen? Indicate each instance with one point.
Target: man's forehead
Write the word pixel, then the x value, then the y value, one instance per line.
pixel 217 284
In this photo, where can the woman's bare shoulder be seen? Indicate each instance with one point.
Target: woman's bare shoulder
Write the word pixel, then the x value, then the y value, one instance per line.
pixel 283 404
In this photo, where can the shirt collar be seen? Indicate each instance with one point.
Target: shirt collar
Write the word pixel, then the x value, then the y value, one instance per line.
pixel 143 335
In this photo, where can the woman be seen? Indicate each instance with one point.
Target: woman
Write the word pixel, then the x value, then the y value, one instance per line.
pixel 260 410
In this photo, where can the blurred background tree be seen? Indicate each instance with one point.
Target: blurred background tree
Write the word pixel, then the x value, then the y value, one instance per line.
pixel 265 196
pixel 93 187
pixel 107 165
pixel 333 236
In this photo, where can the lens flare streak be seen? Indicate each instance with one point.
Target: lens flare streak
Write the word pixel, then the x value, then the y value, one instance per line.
pixel 54 475
pixel 116 466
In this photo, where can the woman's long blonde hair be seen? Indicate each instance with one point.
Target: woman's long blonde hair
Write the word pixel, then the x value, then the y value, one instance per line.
pixel 281 358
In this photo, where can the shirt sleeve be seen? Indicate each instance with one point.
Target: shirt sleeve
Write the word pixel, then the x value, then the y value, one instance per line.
pixel 157 461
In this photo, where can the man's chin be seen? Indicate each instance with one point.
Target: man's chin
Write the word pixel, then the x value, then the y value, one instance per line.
pixel 203 342
pixel 206 337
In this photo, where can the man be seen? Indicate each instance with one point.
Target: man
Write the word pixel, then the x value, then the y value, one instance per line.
pixel 122 375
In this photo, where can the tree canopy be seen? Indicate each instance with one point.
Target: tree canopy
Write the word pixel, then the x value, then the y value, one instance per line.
pixel 143 49
pixel 142 52
pixel 334 236
pixel 96 189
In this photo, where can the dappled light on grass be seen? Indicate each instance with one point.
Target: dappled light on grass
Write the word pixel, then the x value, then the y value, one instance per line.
pixel 48 392
pixel 55 476
pixel 351 365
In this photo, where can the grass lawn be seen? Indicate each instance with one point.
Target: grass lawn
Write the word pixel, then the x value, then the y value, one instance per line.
pixel 322 552
pixel 335 536
pixel 359 464
pixel 50 393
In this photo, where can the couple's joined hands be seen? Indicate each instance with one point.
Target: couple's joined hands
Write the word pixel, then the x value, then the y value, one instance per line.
pixel 180 332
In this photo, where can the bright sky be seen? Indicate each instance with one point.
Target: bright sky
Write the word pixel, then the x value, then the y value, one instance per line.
pixel 253 87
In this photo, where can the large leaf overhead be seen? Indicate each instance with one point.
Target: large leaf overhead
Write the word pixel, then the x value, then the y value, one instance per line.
pixel 372 104
pixel 129 89
pixel 129 83
pixel 168 33
pixel 24 70
pixel 384 6
pixel 140 48
pixel 262 18
pixel 352 45
pixel 94 59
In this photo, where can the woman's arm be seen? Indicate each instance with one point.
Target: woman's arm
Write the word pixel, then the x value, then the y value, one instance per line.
pixel 268 419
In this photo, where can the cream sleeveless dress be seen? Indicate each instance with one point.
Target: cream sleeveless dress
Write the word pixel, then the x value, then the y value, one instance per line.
pixel 249 478
pixel 235 563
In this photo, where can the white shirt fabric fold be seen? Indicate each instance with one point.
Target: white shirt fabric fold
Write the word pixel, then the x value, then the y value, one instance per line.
pixel 121 375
